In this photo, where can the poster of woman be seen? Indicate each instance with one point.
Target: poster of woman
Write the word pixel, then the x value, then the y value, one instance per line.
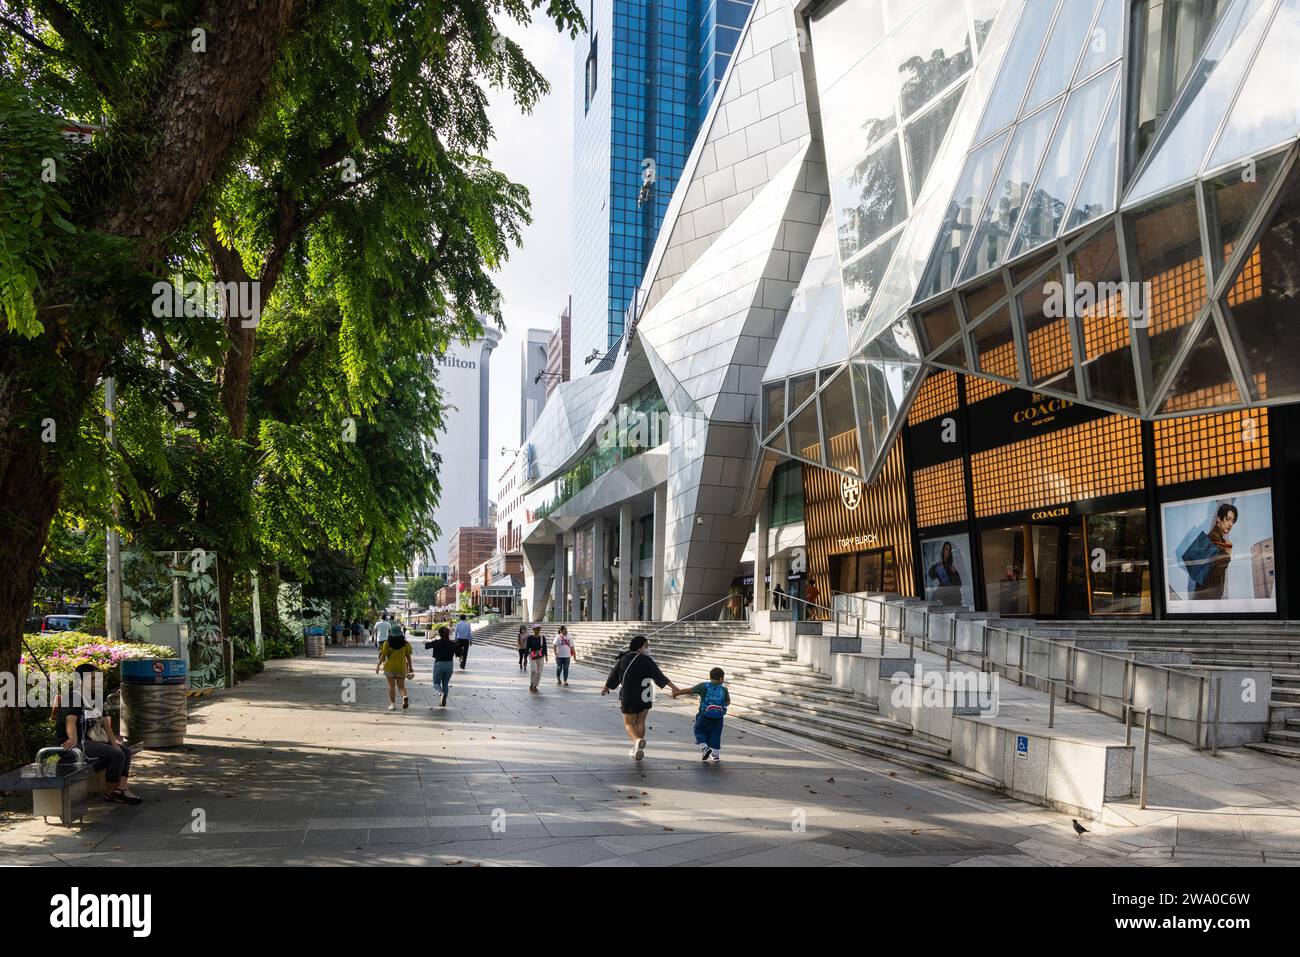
pixel 946 564
pixel 1219 554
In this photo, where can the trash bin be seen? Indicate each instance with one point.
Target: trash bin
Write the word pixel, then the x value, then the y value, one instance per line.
pixel 314 641
pixel 153 701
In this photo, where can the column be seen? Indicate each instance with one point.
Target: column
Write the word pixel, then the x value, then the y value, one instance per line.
pixel 661 532
pixel 760 556
pixel 575 591
pixel 599 562
pixel 560 588
pixel 626 574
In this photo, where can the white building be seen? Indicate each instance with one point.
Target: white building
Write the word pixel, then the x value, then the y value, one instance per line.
pixel 463 444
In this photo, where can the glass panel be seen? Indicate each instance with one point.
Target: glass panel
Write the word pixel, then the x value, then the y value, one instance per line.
pixel 1118 558
pixel 773 406
pixel 995 346
pixel 896 11
pixel 858 111
pixel 1267 110
pixel 1186 136
pixel 801 388
pixel 870 199
pixel 778 442
pixel 939 325
pixel 1097 190
pixel 1020 569
pixel 1029 267
pixel 963 211
pixel 804 438
pixel 981 298
pixel 924 135
pixel 838 419
pixel 1009 192
pixel 1167 250
pixel 1047 206
pixel 1047 332
pixel 983 13
pixel 862 278
pixel 1017 67
pixel 1167 37
pixel 1233 196
pixel 1205 380
pixel 931 51
pixel 1098 302
pixel 954 355
pixel 1105 41
pixel 842 36
pixel 1062 53
pixel 1264 312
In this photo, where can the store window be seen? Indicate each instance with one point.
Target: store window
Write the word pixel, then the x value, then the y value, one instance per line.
pixel 1020 569
pixel 1117 550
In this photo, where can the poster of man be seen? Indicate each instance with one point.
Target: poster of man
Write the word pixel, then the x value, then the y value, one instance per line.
pixel 1219 554
pixel 948 579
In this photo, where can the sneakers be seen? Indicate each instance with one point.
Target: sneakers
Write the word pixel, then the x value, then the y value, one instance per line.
pixel 714 756
pixel 634 753
pixel 406 703
pixel 443 703
pixel 640 748
pixel 392 707
pixel 706 752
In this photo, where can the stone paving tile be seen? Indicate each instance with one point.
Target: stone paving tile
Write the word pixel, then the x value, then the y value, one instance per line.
pixel 294 778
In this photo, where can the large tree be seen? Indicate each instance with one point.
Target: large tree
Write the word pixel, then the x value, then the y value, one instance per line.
pixel 227 135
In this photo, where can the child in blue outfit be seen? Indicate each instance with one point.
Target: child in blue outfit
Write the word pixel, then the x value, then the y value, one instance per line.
pixel 714 701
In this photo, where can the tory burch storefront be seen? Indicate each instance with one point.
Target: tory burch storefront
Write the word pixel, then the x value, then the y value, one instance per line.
pixel 1004 500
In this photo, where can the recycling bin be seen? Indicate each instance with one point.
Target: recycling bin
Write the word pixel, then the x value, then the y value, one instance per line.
pixel 153 701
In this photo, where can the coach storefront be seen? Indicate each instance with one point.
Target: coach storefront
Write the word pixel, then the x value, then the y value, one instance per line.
pixel 1027 505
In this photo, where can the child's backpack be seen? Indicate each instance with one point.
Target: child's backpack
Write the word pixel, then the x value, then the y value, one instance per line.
pixel 712 703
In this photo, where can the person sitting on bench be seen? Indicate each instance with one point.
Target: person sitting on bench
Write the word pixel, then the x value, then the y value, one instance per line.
pixel 92 730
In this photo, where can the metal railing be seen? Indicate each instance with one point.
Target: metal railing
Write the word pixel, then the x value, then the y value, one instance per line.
pixel 836 616
pixel 1064 664
pixel 712 604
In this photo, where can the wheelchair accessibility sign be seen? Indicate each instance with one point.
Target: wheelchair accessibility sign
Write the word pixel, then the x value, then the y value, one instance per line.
pixel 1022 746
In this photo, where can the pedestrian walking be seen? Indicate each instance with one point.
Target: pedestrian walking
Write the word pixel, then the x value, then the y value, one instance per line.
pixel 634 675
pixel 523 648
pixel 444 653
pixel 778 598
pixel 564 653
pixel 395 659
pixel 364 635
pixel 715 699
pixel 538 652
pixel 382 628
pixel 814 596
pixel 463 638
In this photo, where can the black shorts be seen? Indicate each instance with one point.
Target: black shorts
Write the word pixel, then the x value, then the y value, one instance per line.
pixel 636 706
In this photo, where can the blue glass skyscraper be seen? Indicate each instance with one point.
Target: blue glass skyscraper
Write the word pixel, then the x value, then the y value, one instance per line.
pixel 645 75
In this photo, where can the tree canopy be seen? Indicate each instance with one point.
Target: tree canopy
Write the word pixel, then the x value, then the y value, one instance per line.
pixel 310 177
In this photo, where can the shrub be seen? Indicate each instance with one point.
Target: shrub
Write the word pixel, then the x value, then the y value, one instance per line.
pixel 65 650
pixel 245 668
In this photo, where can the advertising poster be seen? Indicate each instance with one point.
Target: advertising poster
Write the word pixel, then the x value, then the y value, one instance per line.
pixel 1219 554
pixel 946 568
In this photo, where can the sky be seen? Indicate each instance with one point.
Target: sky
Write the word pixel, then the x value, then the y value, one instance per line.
pixel 534 150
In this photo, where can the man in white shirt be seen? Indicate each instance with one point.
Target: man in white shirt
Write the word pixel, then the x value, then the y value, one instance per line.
pixel 463 638
pixel 381 631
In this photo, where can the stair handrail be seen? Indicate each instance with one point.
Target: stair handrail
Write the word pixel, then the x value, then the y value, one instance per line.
pixel 688 617
pixel 850 616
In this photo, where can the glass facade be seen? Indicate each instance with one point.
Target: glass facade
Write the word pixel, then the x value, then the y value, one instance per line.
pixel 645 77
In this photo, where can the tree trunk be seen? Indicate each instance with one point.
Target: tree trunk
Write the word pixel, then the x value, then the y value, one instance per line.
pixel 194 123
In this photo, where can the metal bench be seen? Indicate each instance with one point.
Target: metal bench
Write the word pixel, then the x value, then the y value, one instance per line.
pixel 58 789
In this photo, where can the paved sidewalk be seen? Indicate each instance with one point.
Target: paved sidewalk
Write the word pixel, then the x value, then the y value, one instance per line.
pixel 283 771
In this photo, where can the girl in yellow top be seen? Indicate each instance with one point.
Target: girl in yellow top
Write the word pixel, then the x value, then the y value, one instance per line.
pixel 395 659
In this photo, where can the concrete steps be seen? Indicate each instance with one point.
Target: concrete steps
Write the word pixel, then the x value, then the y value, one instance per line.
pixel 769 688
